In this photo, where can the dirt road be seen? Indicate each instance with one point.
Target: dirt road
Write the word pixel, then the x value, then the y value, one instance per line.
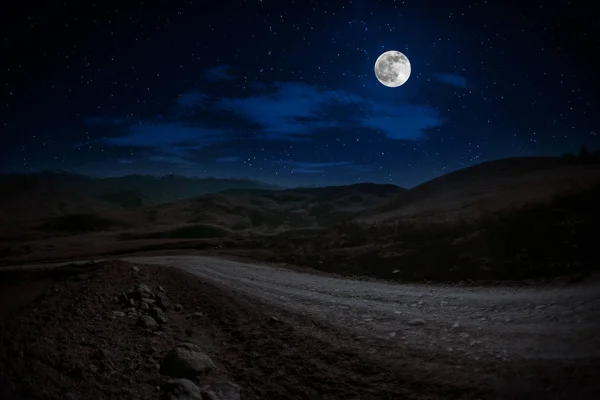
pixel 505 324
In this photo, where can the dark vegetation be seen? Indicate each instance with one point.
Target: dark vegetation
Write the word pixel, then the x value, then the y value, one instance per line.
pixel 198 231
pixel 533 242
pixel 78 223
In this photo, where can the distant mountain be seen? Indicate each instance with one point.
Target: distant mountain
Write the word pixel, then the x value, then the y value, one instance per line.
pixel 134 191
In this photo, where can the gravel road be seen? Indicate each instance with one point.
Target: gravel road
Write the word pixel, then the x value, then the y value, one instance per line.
pixel 500 323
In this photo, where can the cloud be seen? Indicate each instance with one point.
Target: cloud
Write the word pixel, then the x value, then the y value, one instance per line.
pixel 181 161
pixel 219 73
pixel 91 121
pixel 290 112
pixel 167 134
pixel 307 167
pixel 406 122
pixel 192 99
pixel 306 164
pixel 172 142
pixel 451 79
pixel 227 159
pixel 295 111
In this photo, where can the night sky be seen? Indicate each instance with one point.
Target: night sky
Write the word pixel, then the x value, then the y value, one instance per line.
pixel 285 92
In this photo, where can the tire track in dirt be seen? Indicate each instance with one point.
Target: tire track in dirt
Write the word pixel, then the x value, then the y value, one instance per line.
pixel 499 322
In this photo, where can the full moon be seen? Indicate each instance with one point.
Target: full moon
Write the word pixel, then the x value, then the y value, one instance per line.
pixel 392 68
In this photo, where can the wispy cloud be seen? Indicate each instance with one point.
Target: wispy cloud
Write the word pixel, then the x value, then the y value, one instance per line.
pixel 98 120
pixel 169 142
pixel 219 73
pixel 180 161
pixel 285 111
pixel 451 79
pixel 296 111
pixel 227 159
pixel 307 167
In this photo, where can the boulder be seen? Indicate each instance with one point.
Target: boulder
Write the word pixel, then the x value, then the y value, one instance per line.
pixel 222 391
pixel 181 389
pixel 186 360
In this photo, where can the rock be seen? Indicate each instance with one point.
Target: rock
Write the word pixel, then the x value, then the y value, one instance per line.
pixel 135 269
pixel 198 314
pixel 162 301
pixel 93 369
pixel 123 298
pixel 395 271
pixel 144 306
pixel 186 360
pixel 148 300
pixel 416 322
pixel 392 334
pixel 222 391
pixel 158 315
pixel 275 319
pixel 456 326
pixel 181 389
pixel 130 310
pixel 140 290
pixel 147 322
pixel 118 314
pixel 178 307
pixel 464 335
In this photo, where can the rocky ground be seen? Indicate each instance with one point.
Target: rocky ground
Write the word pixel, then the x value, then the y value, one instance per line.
pixel 119 330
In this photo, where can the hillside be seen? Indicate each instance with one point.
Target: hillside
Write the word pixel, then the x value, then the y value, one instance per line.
pixel 134 191
pixel 30 198
pixel 267 212
pixel 486 188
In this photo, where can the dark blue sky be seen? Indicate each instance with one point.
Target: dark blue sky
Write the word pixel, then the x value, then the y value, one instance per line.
pixel 285 91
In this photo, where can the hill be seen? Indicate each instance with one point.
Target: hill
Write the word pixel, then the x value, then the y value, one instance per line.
pixel 135 191
pixel 487 188
pixel 32 198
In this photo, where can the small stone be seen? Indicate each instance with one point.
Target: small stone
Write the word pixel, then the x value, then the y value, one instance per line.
pixel 118 314
pixel 198 314
pixel 158 315
pixel 123 298
pixel 162 301
pixel 456 326
pixel 144 306
pixel 464 335
pixel 416 322
pixel 93 369
pixel 392 334
pixel 160 288
pixel 147 322
pixel 178 307
pixel 135 269
pixel 275 319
